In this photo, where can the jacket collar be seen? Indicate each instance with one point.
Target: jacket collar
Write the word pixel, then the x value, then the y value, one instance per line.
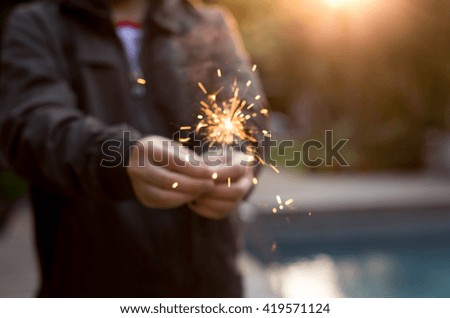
pixel 173 16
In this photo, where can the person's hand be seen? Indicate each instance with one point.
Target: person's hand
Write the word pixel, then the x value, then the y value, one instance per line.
pixel 225 197
pixel 164 174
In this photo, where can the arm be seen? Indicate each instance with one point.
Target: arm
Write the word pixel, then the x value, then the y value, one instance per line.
pixel 55 146
pixel 43 135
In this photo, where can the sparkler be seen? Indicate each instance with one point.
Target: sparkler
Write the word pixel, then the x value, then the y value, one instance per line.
pixel 225 121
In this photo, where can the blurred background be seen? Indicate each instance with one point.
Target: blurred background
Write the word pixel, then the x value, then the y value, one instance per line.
pixel 375 72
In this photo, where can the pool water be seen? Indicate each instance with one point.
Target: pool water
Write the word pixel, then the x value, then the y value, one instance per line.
pixel 413 261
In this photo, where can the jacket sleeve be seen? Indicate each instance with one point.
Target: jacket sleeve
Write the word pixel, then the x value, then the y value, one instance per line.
pixel 44 136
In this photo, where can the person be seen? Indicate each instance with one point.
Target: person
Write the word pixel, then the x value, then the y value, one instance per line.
pixel 88 89
pixel 12 188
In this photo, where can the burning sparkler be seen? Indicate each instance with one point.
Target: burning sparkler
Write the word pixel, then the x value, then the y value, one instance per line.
pixel 225 121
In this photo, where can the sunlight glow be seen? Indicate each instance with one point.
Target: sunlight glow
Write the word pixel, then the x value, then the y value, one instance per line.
pixel 346 3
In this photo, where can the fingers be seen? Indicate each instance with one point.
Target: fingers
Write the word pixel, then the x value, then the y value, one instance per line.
pixel 178 158
pixel 153 197
pixel 187 162
pixel 233 167
pixel 222 174
pixel 165 174
pixel 169 180
pixel 236 191
pixel 213 209
pixel 222 200
pixel 153 173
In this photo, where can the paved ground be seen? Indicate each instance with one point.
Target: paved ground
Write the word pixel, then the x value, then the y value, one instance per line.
pixel 321 192
pixel 18 274
pixel 316 193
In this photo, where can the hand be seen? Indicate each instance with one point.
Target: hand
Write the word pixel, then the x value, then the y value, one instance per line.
pixel 162 176
pixel 224 199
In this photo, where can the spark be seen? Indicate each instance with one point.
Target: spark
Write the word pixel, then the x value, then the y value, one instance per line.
pixel 184 140
pixel 202 88
pixel 309 214
pixel 225 121
pixel 288 202
pixel 249 158
pixel 221 123
pixel 141 81
pixel 175 185
pixel 280 203
pixel 274 247
pixel 274 168
pixel 227 124
pixel 279 199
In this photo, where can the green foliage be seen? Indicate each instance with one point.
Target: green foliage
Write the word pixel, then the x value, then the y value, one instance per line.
pixel 11 186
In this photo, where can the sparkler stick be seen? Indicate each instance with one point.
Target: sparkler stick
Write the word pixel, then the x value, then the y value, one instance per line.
pixel 225 121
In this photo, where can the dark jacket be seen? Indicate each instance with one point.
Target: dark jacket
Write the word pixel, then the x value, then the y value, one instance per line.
pixel 65 90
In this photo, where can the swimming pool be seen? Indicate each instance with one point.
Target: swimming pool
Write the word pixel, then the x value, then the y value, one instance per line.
pixel 373 253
